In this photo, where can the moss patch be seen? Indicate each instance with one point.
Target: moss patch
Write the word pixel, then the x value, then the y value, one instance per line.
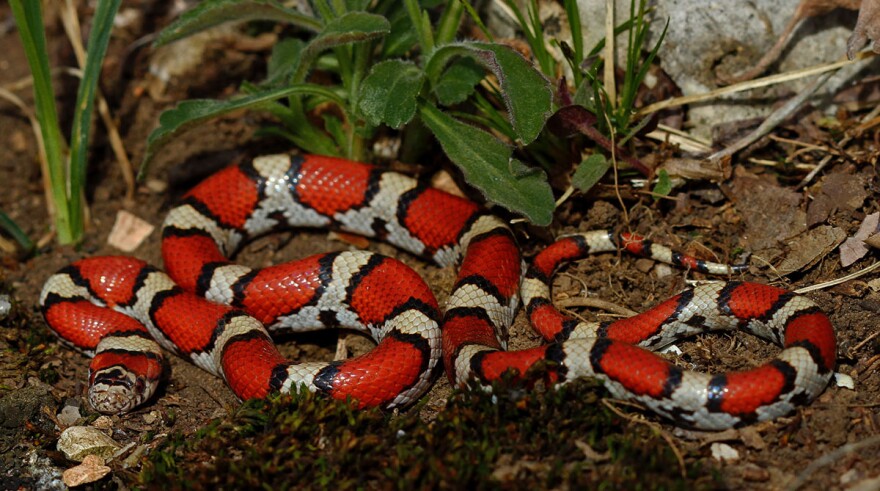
pixel 513 439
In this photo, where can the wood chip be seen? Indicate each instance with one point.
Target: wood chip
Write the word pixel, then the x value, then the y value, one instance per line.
pixel 699 169
pixel 128 231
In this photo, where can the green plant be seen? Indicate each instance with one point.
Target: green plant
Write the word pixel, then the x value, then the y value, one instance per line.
pixel 394 66
pixel 362 44
pixel 617 115
pixel 591 112
pixel 66 164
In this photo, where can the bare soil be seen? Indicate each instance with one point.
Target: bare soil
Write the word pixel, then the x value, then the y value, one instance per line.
pixel 705 219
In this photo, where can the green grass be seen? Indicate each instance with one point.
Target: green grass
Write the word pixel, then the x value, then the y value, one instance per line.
pixel 66 161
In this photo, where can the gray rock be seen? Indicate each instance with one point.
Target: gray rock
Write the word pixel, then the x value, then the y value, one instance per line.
pixel 78 441
pixel 703 36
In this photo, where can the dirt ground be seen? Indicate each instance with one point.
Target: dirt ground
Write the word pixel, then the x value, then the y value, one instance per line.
pixel 830 444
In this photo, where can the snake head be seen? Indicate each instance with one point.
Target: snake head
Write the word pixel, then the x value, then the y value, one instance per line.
pixel 120 379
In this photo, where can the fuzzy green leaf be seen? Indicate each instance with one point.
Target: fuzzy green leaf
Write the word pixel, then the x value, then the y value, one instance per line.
pixel 487 165
pixel 283 60
pixel 589 171
pixel 192 112
pixel 388 94
pixel 527 94
pixel 458 81
pixel 352 27
pixel 663 186
pixel 210 13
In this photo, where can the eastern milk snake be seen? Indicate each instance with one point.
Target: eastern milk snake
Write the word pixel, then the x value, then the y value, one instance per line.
pixel 124 311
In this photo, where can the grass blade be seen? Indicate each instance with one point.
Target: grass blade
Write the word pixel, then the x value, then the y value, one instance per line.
pixel 12 228
pixel 29 19
pixel 99 38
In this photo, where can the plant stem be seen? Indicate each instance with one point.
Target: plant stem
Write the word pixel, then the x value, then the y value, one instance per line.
pixel 362 58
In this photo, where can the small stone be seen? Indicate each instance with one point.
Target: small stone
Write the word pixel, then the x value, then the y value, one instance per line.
pixel 5 306
pixel 77 442
pixel 91 470
pixel 844 381
pixel 69 415
pixel 157 186
pixel 103 422
pixel 663 270
pixel 644 265
pixel 723 452
pixel 151 417
pixel 135 456
pixel 750 436
pixel 18 141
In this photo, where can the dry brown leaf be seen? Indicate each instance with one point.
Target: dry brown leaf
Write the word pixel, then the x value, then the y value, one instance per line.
pixel 771 213
pixel 873 241
pixel 807 249
pixel 854 248
pixel 867 28
pixel 841 191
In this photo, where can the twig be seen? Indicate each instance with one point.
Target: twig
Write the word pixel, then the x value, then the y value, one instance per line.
pixel 752 84
pixel 822 163
pixel 596 303
pixel 775 118
pixel 808 146
pixel 868 364
pixel 843 279
pixel 614 167
pixel 770 56
pixel 773 163
pixel 865 341
pixel 809 177
pixel 685 141
pixel 829 458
